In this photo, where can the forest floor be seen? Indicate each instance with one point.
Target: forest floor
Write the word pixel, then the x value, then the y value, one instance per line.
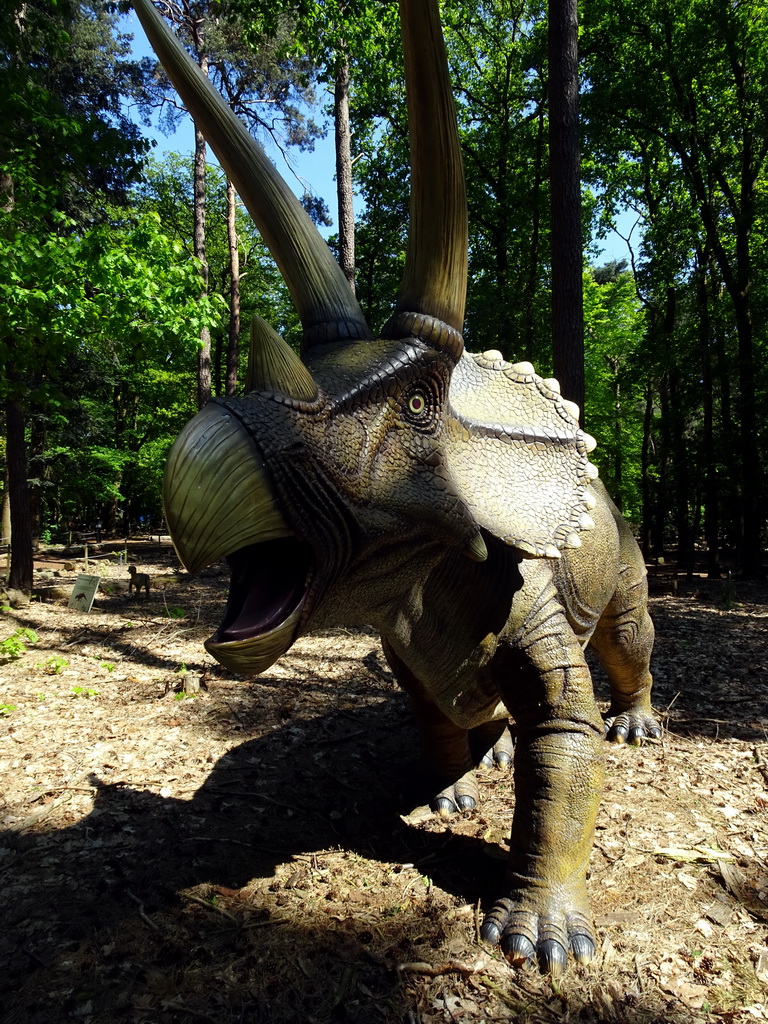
pixel 250 852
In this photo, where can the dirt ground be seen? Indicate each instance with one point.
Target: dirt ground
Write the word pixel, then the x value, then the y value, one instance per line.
pixel 179 844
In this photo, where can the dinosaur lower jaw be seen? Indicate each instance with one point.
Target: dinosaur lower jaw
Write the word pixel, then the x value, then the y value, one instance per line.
pixel 269 586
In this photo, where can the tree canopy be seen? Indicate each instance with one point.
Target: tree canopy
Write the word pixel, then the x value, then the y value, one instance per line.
pixel 102 296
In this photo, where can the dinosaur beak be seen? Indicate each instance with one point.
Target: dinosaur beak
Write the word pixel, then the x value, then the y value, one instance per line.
pixel 217 495
pixel 220 502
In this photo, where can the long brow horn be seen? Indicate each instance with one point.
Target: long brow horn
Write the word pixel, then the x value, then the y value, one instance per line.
pixel 435 279
pixel 320 292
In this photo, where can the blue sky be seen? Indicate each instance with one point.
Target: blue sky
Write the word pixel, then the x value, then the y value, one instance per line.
pixel 312 172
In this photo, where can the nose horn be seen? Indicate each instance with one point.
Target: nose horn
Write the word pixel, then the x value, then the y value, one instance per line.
pixel 274 366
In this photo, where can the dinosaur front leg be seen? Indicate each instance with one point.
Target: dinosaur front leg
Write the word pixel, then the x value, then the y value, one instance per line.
pixel 558 779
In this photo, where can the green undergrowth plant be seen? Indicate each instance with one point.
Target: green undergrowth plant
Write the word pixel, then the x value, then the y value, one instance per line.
pixel 16 644
pixel 54 665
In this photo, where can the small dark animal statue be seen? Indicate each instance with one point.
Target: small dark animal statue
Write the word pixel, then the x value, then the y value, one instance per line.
pixel 444 498
pixel 139 581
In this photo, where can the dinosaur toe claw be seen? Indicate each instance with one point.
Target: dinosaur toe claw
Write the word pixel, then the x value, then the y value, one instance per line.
pixel 583 948
pixel 518 949
pixel 632 726
pixel 444 807
pixel 552 957
pixel 547 936
pixel 490 932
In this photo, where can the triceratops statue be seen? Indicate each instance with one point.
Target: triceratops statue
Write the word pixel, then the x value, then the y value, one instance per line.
pixel 444 498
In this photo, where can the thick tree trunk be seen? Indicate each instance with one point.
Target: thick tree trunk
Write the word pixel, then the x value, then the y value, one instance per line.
pixel 234 291
pixel 36 471
pixel 729 491
pixel 564 162
pixel 661 504
pixel 18 489
pixel 344 172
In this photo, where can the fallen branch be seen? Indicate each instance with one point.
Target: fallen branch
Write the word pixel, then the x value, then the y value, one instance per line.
pixel 43 812
pixel 693 855
pixel 147 920
pixel 453 967
pixel 210 906
pixel 760 764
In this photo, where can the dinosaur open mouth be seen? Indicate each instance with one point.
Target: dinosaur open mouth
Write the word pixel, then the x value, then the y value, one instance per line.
pixel 269 584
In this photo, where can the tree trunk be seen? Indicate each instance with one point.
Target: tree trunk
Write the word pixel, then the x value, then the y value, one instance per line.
pixel 234 291
pixel 732 532
pixel 20 577
pixel 618 438
pixel 646 535
pixel 36 471
pixel 661 505
pixel 5 519
pixel 681 456
pixel 564 163
pixel 711 490
pixel 532 278
pixel 204 352
pixel 344 172
pixel 751 549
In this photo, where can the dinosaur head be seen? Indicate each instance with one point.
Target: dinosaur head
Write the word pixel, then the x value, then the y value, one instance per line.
pixel 338 474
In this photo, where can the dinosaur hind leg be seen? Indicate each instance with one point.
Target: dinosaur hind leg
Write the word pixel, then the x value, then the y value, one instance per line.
pixel 446 747
pixel 623 640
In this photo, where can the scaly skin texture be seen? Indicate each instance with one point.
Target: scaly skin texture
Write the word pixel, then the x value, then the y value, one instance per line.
pixel 442 497
pixel 536 670
pixel 364 478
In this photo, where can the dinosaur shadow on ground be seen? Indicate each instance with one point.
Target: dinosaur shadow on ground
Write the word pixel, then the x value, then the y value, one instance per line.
pixel 92 919
pixel 94 924
pixel 264 803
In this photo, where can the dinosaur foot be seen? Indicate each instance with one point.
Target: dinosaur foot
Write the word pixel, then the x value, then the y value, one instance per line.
pixel 462 795
pixel 500 753
pixel 492 744
pixel 547 936
pixel 633 726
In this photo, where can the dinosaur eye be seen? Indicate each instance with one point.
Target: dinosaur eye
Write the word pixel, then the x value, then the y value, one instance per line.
pixel 417 403
pixel 420 405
